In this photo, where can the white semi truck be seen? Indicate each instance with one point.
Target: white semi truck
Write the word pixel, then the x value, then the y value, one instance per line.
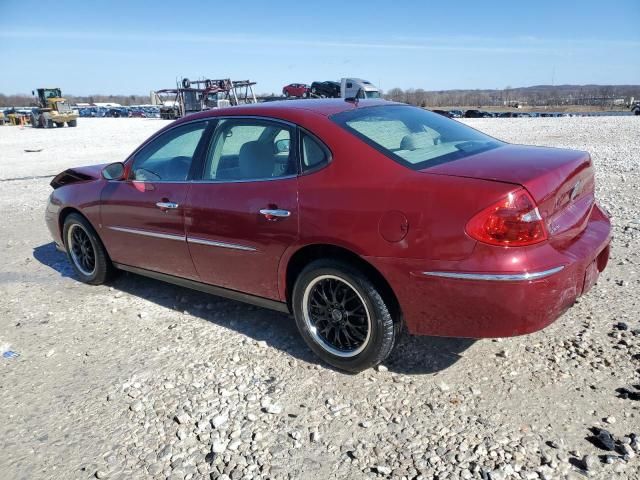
pixel 358 88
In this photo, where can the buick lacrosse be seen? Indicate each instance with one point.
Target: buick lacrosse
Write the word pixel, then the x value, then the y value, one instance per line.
pixel 362 219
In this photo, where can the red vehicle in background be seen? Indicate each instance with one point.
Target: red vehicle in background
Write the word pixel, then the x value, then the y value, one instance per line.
pixel 362 218
pixel 297 90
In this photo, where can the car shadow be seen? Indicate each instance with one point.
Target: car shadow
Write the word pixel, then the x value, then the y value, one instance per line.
pixel 412 355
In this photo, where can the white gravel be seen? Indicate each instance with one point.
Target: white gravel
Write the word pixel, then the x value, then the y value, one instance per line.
pixel 146 380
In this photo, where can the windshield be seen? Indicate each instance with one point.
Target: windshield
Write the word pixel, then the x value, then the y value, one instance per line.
pixel 373 94
pixel 412 136
pixel 51 93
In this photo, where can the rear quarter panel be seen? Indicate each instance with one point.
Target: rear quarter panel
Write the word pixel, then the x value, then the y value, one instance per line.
pixel 344 203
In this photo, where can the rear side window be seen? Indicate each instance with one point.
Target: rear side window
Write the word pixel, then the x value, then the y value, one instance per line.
pixel 314 154
pixel 413 136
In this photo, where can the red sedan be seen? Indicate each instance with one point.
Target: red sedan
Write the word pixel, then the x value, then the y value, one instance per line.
pixel 298 90
pixel 359 218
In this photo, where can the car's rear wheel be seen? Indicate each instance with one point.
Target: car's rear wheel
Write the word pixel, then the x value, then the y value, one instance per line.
pixel 342 316
pixel 86 253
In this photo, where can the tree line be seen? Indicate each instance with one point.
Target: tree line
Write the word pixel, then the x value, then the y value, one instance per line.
pixel 541 95
pixel 604 96
pixel 28 100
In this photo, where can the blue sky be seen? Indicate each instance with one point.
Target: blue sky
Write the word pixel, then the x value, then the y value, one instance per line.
pixel 124 47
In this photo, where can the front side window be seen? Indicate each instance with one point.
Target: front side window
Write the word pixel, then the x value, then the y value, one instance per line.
pixel 247 149
pixel 412 136
pixel 168 157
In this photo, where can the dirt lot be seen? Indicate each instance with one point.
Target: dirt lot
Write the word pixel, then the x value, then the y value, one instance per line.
pixel 140 379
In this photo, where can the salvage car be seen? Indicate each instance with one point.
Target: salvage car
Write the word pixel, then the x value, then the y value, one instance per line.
pixel 328 89
pixel 444 113
pixel 476 114
pixel 361 218
pixel 298 90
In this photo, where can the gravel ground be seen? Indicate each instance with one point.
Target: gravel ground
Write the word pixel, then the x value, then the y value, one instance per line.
pixel 141 379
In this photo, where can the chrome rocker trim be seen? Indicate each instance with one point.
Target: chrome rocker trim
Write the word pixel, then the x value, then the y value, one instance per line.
pixel 497 277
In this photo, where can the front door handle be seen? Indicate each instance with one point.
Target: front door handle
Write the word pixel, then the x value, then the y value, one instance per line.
pixel 274 214
pixel 167 205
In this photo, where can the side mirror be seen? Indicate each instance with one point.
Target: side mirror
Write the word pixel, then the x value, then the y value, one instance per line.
pixel 113 171
pixel 283 145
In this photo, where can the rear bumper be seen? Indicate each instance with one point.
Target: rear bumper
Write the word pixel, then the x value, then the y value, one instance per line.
pixel 484 296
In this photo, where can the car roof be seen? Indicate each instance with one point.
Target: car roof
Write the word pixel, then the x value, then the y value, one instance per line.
pixel 324 107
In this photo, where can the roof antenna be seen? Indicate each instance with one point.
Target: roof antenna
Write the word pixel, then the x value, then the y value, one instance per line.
pixel 355 99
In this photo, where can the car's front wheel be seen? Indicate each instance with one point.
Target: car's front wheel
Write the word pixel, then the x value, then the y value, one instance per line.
pixel 342 316
pixel 86 253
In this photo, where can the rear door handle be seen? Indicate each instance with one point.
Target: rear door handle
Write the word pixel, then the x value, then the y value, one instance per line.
pixel 274 214
pixel 166 205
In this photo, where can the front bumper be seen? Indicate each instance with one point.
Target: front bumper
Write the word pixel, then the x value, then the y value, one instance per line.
pixel 51 215
pixel 471 299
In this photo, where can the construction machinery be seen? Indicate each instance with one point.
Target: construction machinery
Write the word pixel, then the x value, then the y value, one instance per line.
pixel 13 116
pixel 191 96
pixel 53 110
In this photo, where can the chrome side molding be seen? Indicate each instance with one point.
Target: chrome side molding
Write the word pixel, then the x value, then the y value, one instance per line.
pixel 147 233
pixel 215 243
pixel 497 277
pixel 182 238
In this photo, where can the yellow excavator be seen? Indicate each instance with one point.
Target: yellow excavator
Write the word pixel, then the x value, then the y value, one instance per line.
pixel 53 110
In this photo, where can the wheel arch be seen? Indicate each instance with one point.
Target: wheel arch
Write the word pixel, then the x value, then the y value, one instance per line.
pixel 65 212
pixel 308 253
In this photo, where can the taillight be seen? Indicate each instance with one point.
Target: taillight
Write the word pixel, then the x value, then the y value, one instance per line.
pixel 514 221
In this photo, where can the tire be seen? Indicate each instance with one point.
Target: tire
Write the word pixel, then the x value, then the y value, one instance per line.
pixel 72 123
pixel 34 121
pixel 368 309
pixel 313 90
pixel 79 238
pixel 186 83
pixel 60 124
pixel 286 93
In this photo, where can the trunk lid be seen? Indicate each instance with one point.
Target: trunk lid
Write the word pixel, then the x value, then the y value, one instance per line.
pixel 561 182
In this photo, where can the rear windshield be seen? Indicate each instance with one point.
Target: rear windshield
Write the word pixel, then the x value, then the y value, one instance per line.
pixel 413 136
